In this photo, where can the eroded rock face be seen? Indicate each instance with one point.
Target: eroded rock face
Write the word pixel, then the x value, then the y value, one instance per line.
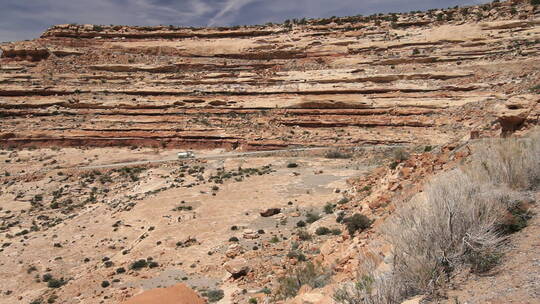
pixel 420 79
pixel 515 111
pixel 25 51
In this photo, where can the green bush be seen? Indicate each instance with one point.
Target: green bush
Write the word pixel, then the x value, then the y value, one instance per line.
pixel 295 254
pixel 292 165
pixel 214 295
pixel 304 235
pixel 312 217
pixel 55 283
pixel 322 231
pixel 357 222
pixel 329 208
pixel 138 264
pixel 309 274
pixel 336 231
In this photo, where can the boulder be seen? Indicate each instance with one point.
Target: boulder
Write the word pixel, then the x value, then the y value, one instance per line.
pixel 514 112
pixel 250 234
pixel 237 268
pixel 234 250
pixel 270 212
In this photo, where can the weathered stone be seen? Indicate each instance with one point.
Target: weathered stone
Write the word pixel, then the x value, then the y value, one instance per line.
pixel 515 111
pixel 250 234
pixel 234 250
pixel 270 212
pixel 237 268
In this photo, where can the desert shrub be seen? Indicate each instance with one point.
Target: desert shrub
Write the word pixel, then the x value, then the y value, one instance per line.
pixel 371 289
pixel 300 224
pixel 274 240
pixel 138 264
pixel 357 222
pixel 455 225
pixel 307 273
pixel 400 155
pixel 55 283
pixel 336 154
pixel 234 239
pixel 304 235
pixel 47 277
pixel 329 208
pixel 343 200
pixel 214 295
pixel 105 284
pixel 52 299
pixel 535 2
pixel 296 254
pixel 322 231
pixel 31 269
pixel 512 162
pixel 336 231
pixel 292 165
pixel 461 221
pixel 312 217
pixel 516 219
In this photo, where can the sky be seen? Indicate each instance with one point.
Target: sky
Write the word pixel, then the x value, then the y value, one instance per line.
pixel 27 19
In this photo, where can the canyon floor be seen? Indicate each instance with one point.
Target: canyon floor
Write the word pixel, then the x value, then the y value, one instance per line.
pixel 346 116
pixel 169 212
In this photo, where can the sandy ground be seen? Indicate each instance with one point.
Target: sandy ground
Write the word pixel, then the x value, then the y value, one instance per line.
pixel 132 220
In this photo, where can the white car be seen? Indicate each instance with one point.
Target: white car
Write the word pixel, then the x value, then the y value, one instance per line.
pixel 186 154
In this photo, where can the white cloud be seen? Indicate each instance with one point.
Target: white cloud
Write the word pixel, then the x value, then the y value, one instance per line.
pixel 231 7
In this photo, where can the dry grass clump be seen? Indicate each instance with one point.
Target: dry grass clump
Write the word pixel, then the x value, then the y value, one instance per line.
pixel 307 273
pixel 371 288
pixel 508 162
pixel 460 221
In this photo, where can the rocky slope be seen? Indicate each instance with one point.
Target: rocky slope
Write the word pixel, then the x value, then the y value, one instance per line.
pixel 408 78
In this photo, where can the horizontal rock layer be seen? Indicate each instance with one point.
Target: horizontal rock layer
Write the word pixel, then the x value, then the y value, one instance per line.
pixel 351 81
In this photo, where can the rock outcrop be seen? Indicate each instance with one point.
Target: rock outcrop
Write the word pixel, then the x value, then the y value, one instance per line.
pixel 422 78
